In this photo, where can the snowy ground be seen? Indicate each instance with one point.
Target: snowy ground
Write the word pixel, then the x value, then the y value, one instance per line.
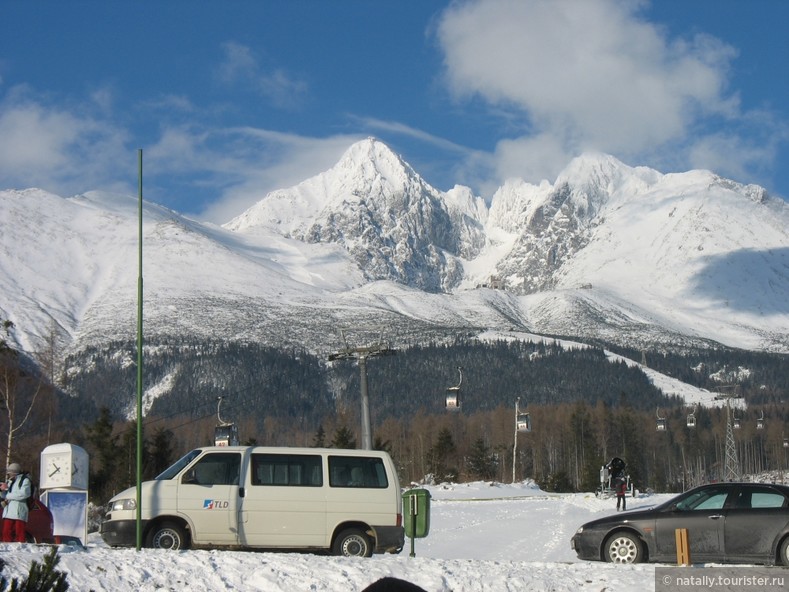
pixel 483 537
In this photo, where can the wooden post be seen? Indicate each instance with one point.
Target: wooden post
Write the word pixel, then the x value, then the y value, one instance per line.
pixel 683 549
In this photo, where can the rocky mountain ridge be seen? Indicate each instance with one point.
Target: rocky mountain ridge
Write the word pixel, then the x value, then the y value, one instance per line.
pixel 609 251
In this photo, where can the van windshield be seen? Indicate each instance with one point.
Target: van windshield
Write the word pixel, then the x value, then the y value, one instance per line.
pixel 176 468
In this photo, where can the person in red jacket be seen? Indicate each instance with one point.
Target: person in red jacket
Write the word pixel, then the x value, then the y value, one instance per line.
pixel 621 490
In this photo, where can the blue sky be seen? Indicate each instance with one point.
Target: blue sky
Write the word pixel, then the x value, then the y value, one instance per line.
pixel 232 99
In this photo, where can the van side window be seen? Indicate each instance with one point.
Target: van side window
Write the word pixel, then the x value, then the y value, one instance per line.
pixel 219 468
pixel 293 470
pixel 357 471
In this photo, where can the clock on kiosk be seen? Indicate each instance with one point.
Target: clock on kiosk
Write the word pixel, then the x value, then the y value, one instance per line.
pixel 64 466
pixel 57 471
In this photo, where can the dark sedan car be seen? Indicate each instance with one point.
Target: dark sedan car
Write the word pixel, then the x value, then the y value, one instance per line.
pixel 726 523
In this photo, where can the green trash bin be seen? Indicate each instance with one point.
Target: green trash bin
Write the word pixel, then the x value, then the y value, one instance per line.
pixel 416 513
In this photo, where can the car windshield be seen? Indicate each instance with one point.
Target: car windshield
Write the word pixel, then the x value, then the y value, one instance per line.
pixel 176 468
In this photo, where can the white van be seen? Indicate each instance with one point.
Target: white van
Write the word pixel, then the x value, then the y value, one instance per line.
pixel 344 501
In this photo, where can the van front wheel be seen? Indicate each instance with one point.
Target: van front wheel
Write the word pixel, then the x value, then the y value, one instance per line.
pixel 168 536
pixel 353 543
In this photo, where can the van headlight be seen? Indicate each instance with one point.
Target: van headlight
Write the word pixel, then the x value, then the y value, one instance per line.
pixel 123 504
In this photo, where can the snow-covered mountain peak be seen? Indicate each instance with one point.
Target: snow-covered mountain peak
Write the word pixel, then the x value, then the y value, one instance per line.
pixel 591 168
pixel 601 176
pixel 370 159
pixel 608 250
pixel 369 170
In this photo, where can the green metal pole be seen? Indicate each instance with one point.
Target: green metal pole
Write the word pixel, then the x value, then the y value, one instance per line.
pixel 139 359
pixel 414 509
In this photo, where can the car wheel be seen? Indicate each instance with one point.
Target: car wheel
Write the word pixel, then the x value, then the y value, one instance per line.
pixel 352 543
pixel 623 547
pixel 783 553
pixel 168 536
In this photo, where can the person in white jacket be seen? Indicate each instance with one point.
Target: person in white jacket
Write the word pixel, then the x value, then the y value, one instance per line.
pixel 15 492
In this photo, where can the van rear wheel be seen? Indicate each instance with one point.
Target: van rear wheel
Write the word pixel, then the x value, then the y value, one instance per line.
pixel 353 542
pixel 168 536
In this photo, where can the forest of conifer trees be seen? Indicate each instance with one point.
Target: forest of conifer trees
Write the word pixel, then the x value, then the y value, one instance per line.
pixel 584 409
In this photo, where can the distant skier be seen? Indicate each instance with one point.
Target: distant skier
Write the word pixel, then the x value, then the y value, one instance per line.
pixel 616 470
pixel 620 486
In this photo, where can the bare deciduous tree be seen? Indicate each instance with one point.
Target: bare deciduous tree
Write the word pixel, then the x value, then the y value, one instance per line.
pixel 18 390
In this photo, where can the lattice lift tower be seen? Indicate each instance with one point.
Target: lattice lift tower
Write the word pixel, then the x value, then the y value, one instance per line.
pixel 732 465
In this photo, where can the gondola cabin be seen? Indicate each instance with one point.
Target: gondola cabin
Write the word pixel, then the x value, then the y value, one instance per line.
pixel 691 423
pixel 786 442
pixel 226 435
pixel 523 422
pixel 452 401
pixel 760 422
pixel 660 426
pixel 736 424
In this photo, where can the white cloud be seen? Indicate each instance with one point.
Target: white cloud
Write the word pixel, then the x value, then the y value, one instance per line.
pixel 240 66
pixel 581 75
pixel 397 127
pixel 54 148
pixel 729 155
pixel 536 158
pixel 69 150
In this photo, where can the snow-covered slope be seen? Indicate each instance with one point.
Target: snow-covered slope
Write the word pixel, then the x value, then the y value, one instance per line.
pixel 625 254
pixel 682 251
pixel 484 537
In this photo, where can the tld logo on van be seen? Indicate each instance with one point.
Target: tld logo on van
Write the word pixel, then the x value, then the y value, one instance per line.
pixel 215 504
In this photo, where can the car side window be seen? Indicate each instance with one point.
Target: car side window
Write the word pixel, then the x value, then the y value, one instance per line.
pixel 708 499
pixel 767 500
pixel 713 502
pixel 760 498
pixel 221 468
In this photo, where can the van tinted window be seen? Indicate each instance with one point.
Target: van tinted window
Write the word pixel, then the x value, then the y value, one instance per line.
pixel 220 468
pixel 357 471
pixel 294 470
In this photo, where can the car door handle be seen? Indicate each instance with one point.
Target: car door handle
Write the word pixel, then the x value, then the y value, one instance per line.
pixel 715 516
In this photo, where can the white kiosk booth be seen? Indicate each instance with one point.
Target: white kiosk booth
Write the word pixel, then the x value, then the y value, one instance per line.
pixel 64 490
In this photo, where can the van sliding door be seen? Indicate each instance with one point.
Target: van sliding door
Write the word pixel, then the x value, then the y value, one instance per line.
pixel 284 506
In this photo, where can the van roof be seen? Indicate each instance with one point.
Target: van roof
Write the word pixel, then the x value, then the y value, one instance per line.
pixel 298 450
